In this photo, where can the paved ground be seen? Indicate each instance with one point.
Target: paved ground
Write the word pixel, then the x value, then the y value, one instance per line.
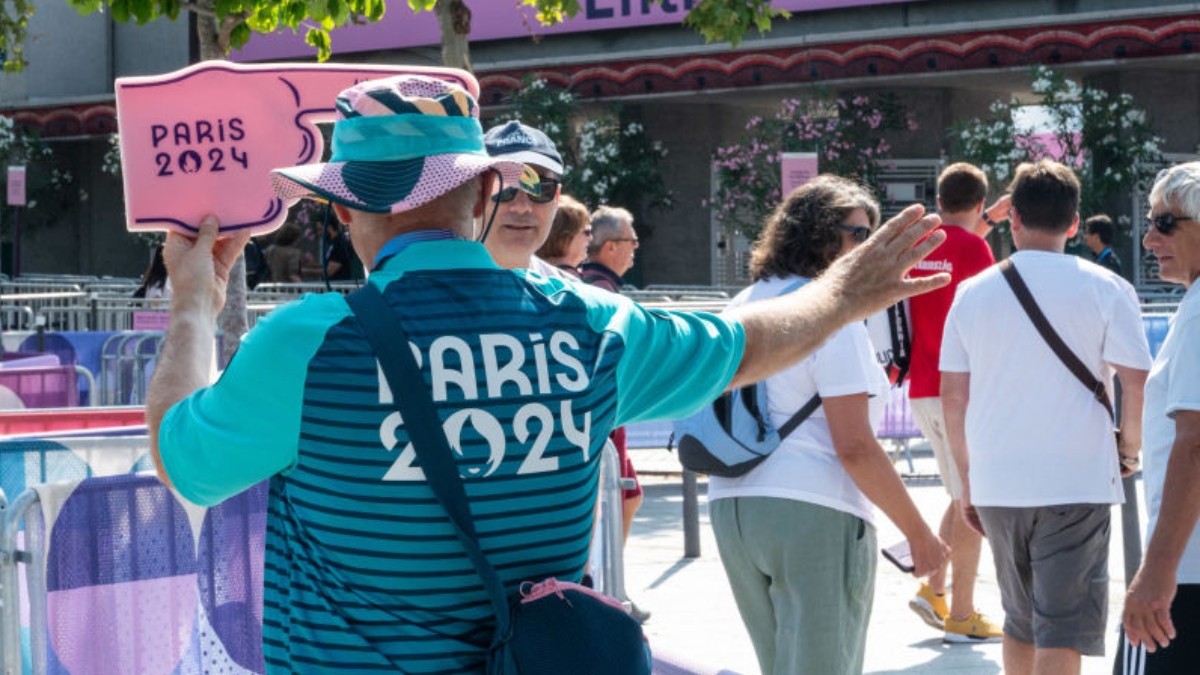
pixel 694 612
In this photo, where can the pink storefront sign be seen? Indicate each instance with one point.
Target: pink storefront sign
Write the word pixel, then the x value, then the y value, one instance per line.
pixel 798 168
pixel 498 20
pixel 204 139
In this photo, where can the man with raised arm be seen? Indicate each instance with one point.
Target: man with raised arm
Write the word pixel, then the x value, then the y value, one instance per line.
pixel 363 570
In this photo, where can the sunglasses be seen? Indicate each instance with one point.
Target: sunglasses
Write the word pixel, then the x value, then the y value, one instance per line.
pixel 860 232
pixel 1166 223
pixel 547 191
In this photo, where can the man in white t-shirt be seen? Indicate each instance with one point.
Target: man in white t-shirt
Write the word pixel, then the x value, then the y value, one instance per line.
pixel 1162 607
pixel 1036 450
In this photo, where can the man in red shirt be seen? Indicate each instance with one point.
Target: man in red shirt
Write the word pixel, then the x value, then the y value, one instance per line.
pixel 962 189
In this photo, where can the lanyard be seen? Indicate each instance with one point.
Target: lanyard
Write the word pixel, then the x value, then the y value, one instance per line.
pixel 403 241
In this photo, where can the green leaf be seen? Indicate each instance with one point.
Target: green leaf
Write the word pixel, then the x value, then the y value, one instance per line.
pixel 339 11
pixel 422 5
pixel 319 39
pixel 296 13
pixel 85 7
pixel 120 10
pixel 143 10
pixel 240 36
pixel 373 10
pixel 318 10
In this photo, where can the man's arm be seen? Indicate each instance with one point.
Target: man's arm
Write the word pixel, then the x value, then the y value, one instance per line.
pixel 956 388
pixel 1133 385
pixel 997 213
pixel 1147 616
pixel 781 331
pixel 199 272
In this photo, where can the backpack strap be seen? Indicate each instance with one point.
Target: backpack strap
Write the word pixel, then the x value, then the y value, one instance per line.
pixel 807 409
pixel 901 340
pixel 1060 348
pixel 802 414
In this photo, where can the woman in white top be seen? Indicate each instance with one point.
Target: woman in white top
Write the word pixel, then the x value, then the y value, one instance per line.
pixel 796 534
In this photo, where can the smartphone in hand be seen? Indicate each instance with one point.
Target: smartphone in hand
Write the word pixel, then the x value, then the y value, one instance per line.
pixel 900 555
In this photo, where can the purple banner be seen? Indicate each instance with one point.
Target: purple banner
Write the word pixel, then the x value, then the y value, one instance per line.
pixel 495 20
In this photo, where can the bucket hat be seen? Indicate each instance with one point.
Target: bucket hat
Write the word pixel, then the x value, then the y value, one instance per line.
pixel 398 143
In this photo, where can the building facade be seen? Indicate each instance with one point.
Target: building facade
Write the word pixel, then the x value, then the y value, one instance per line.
pixel 945 60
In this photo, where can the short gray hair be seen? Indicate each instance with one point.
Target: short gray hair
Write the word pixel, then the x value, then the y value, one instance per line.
pixel 607 223
pixel 1179 189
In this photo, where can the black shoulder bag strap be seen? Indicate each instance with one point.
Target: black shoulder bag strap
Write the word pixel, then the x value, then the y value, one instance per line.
pixel 424 428
pixel 1060 348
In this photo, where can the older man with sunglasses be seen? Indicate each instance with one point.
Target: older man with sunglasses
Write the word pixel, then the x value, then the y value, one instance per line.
pixel 1162 607
pixel 523 218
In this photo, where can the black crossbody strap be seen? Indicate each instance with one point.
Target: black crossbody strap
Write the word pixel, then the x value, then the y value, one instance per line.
pixel 802 414
pixel 424 428
pixel 1052 338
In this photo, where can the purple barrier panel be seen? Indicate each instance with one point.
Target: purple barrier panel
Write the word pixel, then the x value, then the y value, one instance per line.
pixel 120 579
pixel 28 360
pixel 897 416
pixel 130 587
pixel 46 387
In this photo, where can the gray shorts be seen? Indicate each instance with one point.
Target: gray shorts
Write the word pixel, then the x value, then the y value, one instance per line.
pixel 1052 568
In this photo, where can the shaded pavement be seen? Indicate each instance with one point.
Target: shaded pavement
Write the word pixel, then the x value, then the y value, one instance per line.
pixel 694 613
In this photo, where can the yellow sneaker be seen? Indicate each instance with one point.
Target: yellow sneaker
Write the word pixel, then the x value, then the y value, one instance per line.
pixel 973 629
pixel 930 607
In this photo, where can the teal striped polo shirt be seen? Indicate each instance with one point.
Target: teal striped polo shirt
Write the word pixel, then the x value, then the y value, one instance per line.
pixel 363 572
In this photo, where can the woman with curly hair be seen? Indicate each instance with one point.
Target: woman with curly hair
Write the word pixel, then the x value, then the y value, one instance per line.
pixel 796 534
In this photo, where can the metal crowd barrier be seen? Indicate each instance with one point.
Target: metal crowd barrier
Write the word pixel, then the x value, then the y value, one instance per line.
pixel 116 455
pixel 124 367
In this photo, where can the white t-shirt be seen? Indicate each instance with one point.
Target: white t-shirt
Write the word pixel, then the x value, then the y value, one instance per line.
pixel 806 467
pixel 1035 435
pixel 1174 385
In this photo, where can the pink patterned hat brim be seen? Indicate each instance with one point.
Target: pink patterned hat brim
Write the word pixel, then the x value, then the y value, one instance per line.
pixel 388 187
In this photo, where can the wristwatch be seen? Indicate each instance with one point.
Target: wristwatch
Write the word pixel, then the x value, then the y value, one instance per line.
pixel 988 219
pixel 1130 462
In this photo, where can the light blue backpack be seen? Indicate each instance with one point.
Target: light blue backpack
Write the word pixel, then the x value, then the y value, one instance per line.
pixel 733 435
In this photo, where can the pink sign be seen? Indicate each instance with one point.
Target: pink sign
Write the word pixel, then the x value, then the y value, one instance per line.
pixel 204 139
pixel 16 186
pixel 798 168
pixel 495 20
pixel 151 320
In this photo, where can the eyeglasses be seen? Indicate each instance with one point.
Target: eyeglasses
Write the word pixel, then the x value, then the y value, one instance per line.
pixel 633 239
pixel 860 232
pixel 548 190
pixel 1166 223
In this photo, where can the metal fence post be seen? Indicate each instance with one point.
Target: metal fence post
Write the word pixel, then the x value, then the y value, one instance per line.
pixel 691 515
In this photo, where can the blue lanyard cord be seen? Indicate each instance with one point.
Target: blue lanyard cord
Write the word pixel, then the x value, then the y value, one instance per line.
pixel 399 243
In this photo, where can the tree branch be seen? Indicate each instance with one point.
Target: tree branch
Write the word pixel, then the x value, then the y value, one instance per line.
pixel 201 10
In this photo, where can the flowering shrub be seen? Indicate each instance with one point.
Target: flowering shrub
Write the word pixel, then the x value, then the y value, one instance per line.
pixel 607 158
pixel 1105 138
pixel 847 136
